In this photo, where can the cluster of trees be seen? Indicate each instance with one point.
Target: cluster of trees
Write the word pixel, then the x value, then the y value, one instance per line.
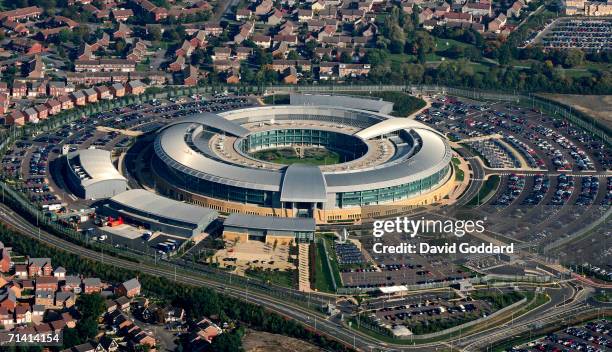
pixel 567 58
pixel 197 301
pixel 90 308
pixel 399 35
pixel 462 73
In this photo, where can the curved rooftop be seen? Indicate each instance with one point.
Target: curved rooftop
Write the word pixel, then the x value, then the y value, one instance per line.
pixel 390 125
pixel 96 164
pixel 303 183
pixel 151 203
pixel 176 145
pixel 213 121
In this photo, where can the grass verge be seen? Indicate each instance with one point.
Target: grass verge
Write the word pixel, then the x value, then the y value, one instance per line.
pixel 486 191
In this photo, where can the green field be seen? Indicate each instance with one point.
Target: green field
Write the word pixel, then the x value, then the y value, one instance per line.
pixel 323 272
pixel 459 174
pixel 281 278
pixel 487 189
pixel 288 156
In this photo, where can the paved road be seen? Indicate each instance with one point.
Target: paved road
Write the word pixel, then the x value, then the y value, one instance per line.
pixel 476 180
pixel 312 320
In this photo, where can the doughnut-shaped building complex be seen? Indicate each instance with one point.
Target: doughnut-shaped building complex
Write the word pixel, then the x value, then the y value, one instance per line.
pixel 387 164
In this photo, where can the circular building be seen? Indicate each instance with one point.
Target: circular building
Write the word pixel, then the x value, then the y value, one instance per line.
pixel 334 164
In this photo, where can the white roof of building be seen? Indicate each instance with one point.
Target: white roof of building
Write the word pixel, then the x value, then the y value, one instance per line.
pixel 173 148
pixel 151 203
pixel 390 125
pixel 363 103
pixel 97 164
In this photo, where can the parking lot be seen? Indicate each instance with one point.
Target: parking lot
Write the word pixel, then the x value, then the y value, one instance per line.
pixel 566 182
pixel 589 34
pixel 593 336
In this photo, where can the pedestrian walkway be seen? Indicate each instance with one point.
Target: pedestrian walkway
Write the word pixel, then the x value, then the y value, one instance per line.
pixel 303 267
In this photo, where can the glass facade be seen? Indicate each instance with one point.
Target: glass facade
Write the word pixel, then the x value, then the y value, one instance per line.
pixel 350 147
pixel 267 198
pixel 389 194
pixel 213 189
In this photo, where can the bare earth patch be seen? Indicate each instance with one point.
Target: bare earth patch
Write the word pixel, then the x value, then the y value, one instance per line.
pixel 597 106
pixel 258 341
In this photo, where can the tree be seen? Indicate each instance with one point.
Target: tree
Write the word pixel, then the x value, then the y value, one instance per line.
pixel 573 58
pixel 346 58
pixel 120 46
pixel 421 58
pixel 170 35
pixel 293 55
pixel 228 342
pixel 154 33
pixel 198 56
pixel 504 55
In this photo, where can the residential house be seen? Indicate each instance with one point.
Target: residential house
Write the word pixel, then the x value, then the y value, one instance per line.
pixel 44 298
pixel 212 29
pixel 4 105
pixel 64 299
pixel 131 287
pixel 458 17
pixel 243 53
pixel 243 14
pixel 20 90
pixel 123 303
pixel 497 24
pixel 135 87
pixel 232 77
pixel 91 95
pixel 477 9
pixel 21 270
pixel 222 53
pixel 42 111
pixel 38 313
pixel 53 107
pixel 39 267
pixel 122 15
pixel 105 65
pixel 199 40
pixel 123 32
pixel 353 70
pixel 92 285
pixel 304 15
pixel 78 98
pixel 282 65
pixel 66 101
pixel 118 90
pixel 21 14
pixel 6 318
pixel 8 299
pixel 5 255
pixel 191 76
pixel 103 92
pixel 275 18
pixel 264 7
pixel 185 50
pixel 207 330
pixel 262 41
pixel 291 76
pixel 56 88
pixel 515 9
pixel 16 118
pixel 23 314
pixel 178 64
